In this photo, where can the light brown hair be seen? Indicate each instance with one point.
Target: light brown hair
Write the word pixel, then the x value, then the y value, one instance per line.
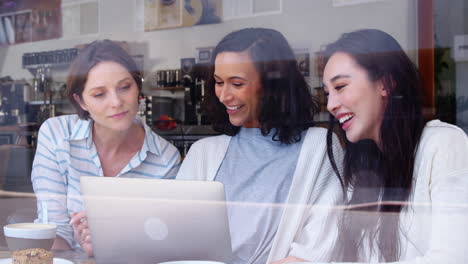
pixel 94 53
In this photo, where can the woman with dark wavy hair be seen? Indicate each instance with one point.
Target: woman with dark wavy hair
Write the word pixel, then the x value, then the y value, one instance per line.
pixel 406 179
pixel 270 153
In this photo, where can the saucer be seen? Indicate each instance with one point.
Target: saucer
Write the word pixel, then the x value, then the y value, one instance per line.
pixel 191 262
pixel 56 261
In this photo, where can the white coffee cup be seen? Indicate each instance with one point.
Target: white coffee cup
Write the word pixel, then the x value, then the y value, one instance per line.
pixel 29 235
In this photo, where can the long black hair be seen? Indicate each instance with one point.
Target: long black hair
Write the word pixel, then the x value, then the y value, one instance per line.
pixel 286 104
pixel 379 176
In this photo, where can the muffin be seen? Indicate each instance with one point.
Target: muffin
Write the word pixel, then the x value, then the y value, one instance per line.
pixel 32 256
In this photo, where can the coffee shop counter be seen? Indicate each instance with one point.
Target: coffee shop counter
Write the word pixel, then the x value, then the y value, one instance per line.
pixel 77 257
pixel 183 136
pixel 20 134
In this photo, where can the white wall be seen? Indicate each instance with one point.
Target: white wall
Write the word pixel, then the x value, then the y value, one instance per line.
pixel 3 52
pixel 305 23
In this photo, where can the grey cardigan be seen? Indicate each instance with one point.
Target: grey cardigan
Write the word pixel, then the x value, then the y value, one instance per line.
pixel 307 228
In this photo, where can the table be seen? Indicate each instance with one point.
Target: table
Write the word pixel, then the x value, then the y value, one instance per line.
pixel 10 194
pixel 76 256
pixel 18 133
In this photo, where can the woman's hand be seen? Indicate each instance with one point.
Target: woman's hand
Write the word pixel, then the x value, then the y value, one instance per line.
pixel 60 244
pixel 81 232
pixel 289 259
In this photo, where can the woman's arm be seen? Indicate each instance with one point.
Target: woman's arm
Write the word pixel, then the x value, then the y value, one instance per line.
pixel 445 154
pixel 60 244
pixel 50 183
pixel 204 158
pixel 316 237
pixel 446 157
pixel 289 259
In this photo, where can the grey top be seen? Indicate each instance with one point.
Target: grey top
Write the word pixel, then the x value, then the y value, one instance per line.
pixel 257 173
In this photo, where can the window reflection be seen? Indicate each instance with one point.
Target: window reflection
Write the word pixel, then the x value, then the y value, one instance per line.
pixel 172 43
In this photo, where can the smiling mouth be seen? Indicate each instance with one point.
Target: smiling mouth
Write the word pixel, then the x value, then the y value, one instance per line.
pixel 345 118
pixel 233 108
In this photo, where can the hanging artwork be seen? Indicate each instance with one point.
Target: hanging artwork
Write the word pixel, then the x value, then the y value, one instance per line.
pixel 46 23
pixel 29 20
pixel 163 14
pixel 23 27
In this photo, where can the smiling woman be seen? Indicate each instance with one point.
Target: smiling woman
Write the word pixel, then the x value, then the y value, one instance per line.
pixel 238 87
pixel 105 138
pixel 270 153
pixel 407 175
pixel 355 100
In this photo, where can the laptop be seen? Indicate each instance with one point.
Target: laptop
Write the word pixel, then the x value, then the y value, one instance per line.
pixel 156 220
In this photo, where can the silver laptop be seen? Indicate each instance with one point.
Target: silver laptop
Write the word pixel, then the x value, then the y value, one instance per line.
pixel 152 221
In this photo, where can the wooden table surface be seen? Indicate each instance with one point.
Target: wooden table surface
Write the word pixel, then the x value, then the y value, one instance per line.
pixel 77 257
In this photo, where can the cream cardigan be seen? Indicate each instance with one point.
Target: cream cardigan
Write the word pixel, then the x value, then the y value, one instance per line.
pixel 302 232
pixel 434 225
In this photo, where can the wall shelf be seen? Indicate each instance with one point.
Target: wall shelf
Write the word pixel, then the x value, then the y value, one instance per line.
pixel 173 89
pixel 41 102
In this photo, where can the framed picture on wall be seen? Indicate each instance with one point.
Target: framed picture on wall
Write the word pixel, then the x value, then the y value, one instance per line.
pixel 201 12
pixel 186 66
pixel 162 14
pixel 204 54
pixel 7 30
pixel 23 27
pixel 29 20
pixel 46 23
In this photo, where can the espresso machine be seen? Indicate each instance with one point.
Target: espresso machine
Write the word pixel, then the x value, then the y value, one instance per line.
pixel 42 89
pixel 41 65
pixel 194 83
pixel 12 101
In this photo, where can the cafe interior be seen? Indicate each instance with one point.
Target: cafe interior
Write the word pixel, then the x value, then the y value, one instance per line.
pixel 171 41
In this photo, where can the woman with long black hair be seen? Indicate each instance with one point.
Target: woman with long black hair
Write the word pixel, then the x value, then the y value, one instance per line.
pixel 406 179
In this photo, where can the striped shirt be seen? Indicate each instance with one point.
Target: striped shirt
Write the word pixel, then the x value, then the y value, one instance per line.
pixel 65 151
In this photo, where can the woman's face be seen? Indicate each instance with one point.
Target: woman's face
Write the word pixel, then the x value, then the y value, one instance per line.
pixel 110 96
pixel 356 101
pixel 238 87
